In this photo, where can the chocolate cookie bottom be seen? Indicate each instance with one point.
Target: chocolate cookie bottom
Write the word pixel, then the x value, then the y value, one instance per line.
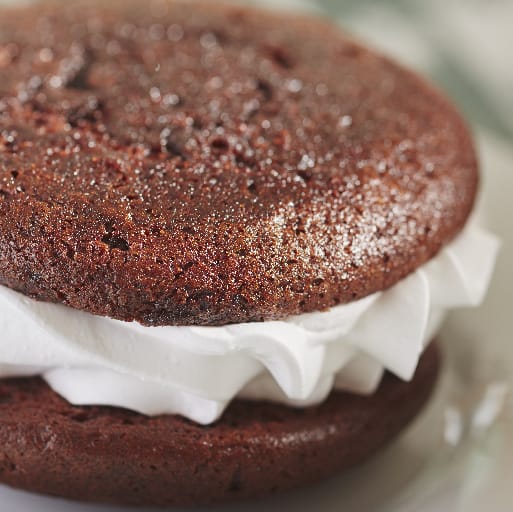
pixel 110 455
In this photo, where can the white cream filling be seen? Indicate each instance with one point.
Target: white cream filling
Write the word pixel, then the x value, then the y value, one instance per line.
pixel 197 371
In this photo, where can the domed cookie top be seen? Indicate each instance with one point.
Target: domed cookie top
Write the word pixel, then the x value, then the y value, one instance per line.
pixel 187 164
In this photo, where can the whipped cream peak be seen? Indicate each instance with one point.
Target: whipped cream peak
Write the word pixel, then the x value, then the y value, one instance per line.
pixel 196 371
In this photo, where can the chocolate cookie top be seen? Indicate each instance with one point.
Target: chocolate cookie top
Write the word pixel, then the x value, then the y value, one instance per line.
pixel 186 164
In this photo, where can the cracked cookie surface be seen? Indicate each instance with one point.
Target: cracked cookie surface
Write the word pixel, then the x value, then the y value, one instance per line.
pixel 196 165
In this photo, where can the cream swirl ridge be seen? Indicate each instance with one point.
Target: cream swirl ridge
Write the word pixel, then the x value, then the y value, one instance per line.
pixel 197 371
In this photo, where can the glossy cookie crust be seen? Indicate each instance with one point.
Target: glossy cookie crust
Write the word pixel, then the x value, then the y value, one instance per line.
pixel 186 164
